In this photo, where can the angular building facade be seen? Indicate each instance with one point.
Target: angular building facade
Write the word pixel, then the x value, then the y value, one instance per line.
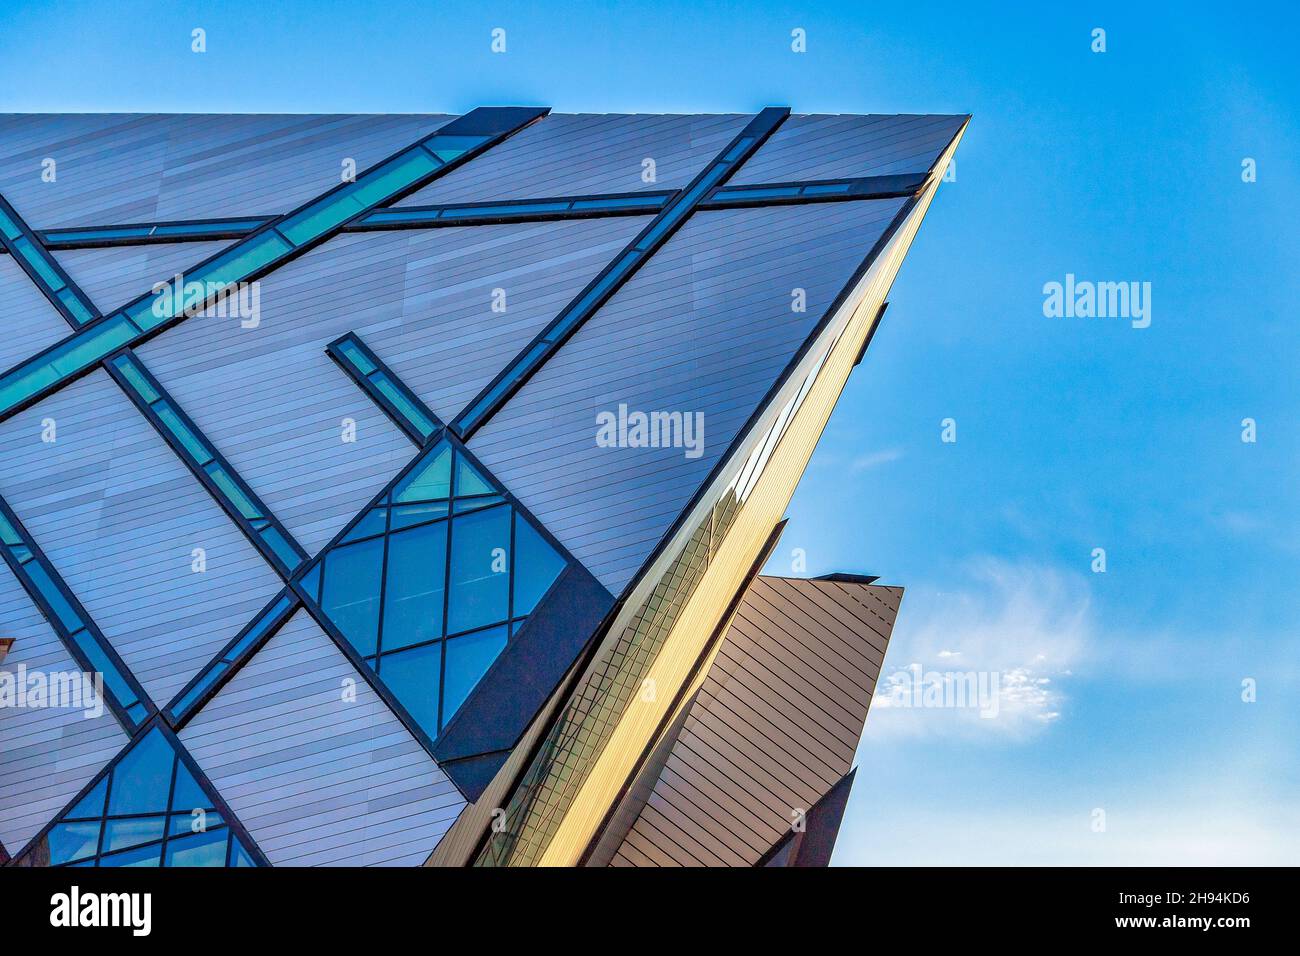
pixel 393 490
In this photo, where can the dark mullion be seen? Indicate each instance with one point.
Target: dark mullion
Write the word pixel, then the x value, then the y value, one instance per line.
pixel 10 222
pixel 452 488
pixel 103 819
pixel 487 213
pixel 115 366
pixel 9 522
pixel 816 191
pixel 167 813
pixel 151 233
pixel 98 857
pixel 383 589
pixel 434 520
pixel 134 322
pixel 617 273
pixel 490 212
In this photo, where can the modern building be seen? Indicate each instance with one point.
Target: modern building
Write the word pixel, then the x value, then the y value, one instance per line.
pixel 406 480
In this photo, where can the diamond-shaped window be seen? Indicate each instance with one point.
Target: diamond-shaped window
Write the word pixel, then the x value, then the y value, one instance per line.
pixel 147 810
pixel 431 583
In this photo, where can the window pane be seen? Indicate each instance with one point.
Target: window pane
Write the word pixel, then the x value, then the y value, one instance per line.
pixel 450 146
pixel 415 584
pixel 356 357
pixel 74 305
pixel 188 794
pixel 92 345
pixel 405 407
pixel 537 565
pixel 430 480
pixel 144 856
pixel 350 595
pixel 186 823
pixel 198 451
pixel 468 659
pixel 92 804
pixel 120 834
pixel 412 676
pixel 373 522
pixel 63 610
pixel 113 679
pixel 406 515
pixel 143 778
pixel 469 481
pixel 410 167
pixel 480 551
pixel 136 380
pixel 72 841
pixel 238 855
pixel 199 849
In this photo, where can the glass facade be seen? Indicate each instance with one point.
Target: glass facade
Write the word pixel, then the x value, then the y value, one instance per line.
pixel 429 585
pixel 149 809
pixel 271 245
pixel 70 621
pixel 677 210
pixel 436 578
pixel 398 402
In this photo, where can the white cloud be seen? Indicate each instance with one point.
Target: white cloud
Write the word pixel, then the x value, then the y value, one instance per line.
pixel 1006 639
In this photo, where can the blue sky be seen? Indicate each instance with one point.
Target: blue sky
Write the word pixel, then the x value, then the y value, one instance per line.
pixel 1072 434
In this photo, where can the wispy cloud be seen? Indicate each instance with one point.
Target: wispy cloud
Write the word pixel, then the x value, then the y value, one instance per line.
pixel 1013 631
pixel 875 459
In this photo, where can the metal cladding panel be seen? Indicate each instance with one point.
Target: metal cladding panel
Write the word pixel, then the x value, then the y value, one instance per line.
pixel 47 754
pixel 580 153
pixel 119 515
pixel 447 344
pixel 830 147
pixel 319 779
pixel 773 727
pixel 132 167
pixel 31 323
pixel 706 326
pixel 112 277
pixel 273 402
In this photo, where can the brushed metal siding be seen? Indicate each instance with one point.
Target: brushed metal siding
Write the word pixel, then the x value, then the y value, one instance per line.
pixel 447 344
pixel 135 167
pixel 30 322
pixel 315 779
pixel 705 326
pixel 773 726
pixel 577 153
pixel 46 754
pixel 829 147
pixel 118 515
pixel 272 401
pixel 113 276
